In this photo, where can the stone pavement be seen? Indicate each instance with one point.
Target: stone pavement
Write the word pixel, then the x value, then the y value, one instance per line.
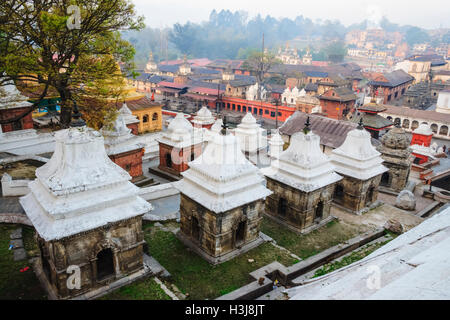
pixel 10 205
pixel 17 245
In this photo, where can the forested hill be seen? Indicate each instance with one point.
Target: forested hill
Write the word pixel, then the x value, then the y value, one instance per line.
pixel 232 35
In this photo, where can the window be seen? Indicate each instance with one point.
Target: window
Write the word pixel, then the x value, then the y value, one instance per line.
pixel 260 112
pixel 266 111
pixel 249 109
pixel 228 106
pixel 272 114
pixel 255 110
pixel 128 167
pixel 244 109
pixel 239 108
pixel 279 114
pixel 145 119
pixel 155 116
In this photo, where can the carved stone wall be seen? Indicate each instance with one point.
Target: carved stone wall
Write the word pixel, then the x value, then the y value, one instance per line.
pixel 296 208
pixel 354 194
pixel 222 233
pixel 125 239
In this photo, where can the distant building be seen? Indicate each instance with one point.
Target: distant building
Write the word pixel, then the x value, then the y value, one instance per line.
pixel 336 103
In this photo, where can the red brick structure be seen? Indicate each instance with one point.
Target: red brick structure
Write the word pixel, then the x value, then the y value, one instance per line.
pixel 130 161
pixel 179 145
pixel 175 160
pixel 22 124
pixel 257 108
pixel 337 102
pixel 392 86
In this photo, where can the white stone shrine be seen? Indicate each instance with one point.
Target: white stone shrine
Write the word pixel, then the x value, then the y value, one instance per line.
pixel 250 135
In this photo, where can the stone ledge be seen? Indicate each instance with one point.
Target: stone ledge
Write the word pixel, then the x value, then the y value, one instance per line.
pixel 223 258
pixel 287 275
pixel 15 218
pixel 305 230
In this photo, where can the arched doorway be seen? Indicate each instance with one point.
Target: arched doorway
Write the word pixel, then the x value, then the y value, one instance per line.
pixel 240 233
pixel 195 229
pixel 318 215
pixel 105 264
pixel 168 160
pixel 369 196
pixel 338 193
pixel 282 206
pixel 385 179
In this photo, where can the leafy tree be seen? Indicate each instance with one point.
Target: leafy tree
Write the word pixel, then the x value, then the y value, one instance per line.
pixel 42 44
pixel 415 35
pixel 336 51
pixel 259 64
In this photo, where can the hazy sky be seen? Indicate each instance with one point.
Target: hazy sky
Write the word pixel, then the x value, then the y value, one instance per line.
pixel 425 14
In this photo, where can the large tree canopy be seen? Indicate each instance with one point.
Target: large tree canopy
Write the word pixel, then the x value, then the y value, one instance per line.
pixel 53 45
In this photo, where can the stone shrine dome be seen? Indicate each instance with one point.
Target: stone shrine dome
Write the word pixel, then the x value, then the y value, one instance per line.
pixel 396 138
pixel 357 157
pixel 303 165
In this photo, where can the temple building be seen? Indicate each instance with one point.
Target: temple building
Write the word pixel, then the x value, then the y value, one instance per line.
pixel 87 215
pixel 307 58
pixel 149 114
pixel 250 135
pixel 303 182
pixel 372 121
pixel 122 148
pixel 131 121
pixel 151 66
pixel 289 97
pixel 178 146
pixel 256 92
pixel 443 102
pixel 396 154
pixel 222 201
pixel 203 119
pixel 421 142
pixel 361 166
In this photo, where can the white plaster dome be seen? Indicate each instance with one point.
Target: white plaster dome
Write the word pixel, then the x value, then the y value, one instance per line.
pixel 180 125
pixel 424 129
pixel 204 112
pixel 249 118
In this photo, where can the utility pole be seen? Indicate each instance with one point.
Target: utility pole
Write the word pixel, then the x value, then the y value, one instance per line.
pixel 218 99
pixel 261 74
pixel 276 113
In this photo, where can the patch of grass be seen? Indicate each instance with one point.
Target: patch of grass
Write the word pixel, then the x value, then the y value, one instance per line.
pixel 193 275
pixel 312 243
pixel 146 289
pixel 349 259
pixel 13 283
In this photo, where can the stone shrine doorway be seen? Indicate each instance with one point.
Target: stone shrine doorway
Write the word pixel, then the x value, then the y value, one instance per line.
pixel 240 233
pixel 318 212
pixel 105 264
pixel 369 196
pixel 338 193
pixel 282 206
pixel 195 229
pixel 385 179
pixel 168 160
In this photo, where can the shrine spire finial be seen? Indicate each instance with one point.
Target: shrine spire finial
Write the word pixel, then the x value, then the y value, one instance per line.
pixel 224 126
pixel 307 128
pixel 77 120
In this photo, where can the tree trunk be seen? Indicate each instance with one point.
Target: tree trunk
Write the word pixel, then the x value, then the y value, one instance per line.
pixel 66 108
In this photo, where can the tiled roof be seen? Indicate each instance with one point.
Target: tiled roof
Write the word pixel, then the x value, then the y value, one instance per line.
pixel 332 132
pixel 418 114
pixel 139 104
pixel 342 94
pixel 311 87
pixel 394 78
